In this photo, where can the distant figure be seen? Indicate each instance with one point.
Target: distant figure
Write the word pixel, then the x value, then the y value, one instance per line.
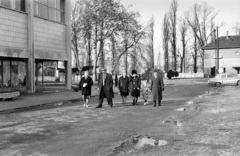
pixel 105 87
pixel 145 90
pixel 157 86
pixel 135 84
pixel 123 86
pixel 85 86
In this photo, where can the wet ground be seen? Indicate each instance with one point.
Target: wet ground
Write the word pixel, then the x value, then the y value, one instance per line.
pixel 186 124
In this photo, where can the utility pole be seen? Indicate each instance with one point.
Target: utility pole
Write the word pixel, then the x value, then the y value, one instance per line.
pixel 216 53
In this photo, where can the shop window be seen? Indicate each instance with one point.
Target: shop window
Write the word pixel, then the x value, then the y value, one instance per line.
pixel 6 74
pixel 14 4
pixel 50 9
pixel 18 74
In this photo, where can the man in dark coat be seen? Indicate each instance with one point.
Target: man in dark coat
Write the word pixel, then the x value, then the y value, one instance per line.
pixel 105 86
pixel 85 86
pixel 157 86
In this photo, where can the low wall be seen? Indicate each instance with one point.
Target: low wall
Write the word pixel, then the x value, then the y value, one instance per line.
pixel 189 75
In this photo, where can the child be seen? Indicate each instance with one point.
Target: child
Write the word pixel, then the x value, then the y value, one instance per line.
pixel 145 90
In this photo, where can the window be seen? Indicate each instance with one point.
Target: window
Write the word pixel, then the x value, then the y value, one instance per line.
pixel 6 74
pixel 6 3
pixel 229 75
pixel 223 76
pixel 50 9
pixel 1 80
pixel 12 74
pixel 14 4
pixel 20 5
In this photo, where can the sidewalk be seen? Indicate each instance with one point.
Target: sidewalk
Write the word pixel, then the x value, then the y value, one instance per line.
pixel 51 97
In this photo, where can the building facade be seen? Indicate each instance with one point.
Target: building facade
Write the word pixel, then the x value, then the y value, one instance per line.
pixel 229 55
pixel 35 35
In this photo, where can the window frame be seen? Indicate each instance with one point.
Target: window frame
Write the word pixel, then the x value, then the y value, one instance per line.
pixel 13 6
pixel 36 12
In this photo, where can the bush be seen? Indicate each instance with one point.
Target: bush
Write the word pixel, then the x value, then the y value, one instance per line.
pixel 170 74
pixel 176 74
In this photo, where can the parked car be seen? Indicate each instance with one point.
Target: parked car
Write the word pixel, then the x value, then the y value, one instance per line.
pixel 225 78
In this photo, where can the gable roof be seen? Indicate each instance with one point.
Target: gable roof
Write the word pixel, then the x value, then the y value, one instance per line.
pixel 231 42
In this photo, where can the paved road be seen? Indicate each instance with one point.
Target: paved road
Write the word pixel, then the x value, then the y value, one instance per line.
pixel 72 130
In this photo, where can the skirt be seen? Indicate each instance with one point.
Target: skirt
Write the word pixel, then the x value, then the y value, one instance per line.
pixel 135 93
pixel 124 93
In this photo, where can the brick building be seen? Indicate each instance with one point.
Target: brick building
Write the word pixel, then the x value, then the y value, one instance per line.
pixel 229 55
pixel 35 37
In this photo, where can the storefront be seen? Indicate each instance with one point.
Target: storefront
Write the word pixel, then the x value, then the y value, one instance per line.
pixel 12 74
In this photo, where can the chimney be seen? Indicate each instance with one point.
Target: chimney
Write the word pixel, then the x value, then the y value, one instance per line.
pixel 227 35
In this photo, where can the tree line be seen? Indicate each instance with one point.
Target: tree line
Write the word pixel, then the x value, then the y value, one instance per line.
pixel 193 30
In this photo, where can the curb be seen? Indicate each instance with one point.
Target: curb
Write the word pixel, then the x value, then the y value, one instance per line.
pixel 55 103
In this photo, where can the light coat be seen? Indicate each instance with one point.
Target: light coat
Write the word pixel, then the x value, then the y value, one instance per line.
pixel 157 86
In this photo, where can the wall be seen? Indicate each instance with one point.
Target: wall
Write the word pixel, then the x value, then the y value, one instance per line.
pixel 50 40
pixel 228 61
pixel 13 33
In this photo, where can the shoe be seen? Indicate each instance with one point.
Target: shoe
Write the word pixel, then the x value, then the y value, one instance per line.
pixel 133 102
pixel 154 105
pixel 99 107
pixel 110 105
pixel 144 104
pixel 86 106
pixel 159 104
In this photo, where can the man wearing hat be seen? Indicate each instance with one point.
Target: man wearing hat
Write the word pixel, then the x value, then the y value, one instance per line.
pixel 157 86
pixel 105 86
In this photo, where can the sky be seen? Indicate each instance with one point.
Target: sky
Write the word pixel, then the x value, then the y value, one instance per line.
pixel 228 12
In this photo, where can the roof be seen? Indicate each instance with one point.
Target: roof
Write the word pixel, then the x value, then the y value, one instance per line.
pixel 232 42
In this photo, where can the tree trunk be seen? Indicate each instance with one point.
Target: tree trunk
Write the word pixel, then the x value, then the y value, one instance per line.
pixel 96 54
pixel 195 54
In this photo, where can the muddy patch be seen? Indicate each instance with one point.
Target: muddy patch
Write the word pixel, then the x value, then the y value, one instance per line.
pixel 138 143
pixel 212 146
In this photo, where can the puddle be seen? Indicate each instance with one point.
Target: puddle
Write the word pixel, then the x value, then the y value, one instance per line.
pixel 190 102
pixel 181 109
pixel 137 143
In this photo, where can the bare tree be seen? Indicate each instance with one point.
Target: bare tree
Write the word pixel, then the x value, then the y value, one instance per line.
pixel 173 30
pixel 165 40
pixel 183 35
pixel 76 32
pixel 201 20
pixel 236 28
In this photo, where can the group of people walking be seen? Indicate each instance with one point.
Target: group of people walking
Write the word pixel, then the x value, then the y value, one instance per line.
pixel 126 85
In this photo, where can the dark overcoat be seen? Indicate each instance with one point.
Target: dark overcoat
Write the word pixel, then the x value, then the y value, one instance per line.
pixel 108 87
pixel 157 86
pixel 88 89
pixel 135 85
pixel 123 85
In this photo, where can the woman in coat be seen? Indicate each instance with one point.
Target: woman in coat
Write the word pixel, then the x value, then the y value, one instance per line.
pixel 157 86
pixel 123 86
pixel 135 83
pixel 85 86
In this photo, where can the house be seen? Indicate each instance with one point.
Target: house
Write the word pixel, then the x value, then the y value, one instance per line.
pixel 229 55
pixel 34 35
